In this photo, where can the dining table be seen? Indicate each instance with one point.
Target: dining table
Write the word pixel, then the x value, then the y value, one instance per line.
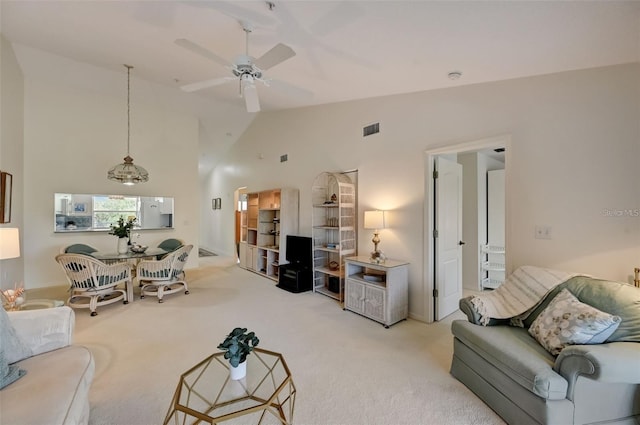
pixel 129 255
pixel 132 258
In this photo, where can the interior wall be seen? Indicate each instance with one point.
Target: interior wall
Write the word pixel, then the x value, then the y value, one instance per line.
pixel 73 136
pixel 11 153
pixel 574 148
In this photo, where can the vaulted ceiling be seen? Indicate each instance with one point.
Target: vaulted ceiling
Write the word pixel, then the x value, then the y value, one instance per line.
pixel 344 49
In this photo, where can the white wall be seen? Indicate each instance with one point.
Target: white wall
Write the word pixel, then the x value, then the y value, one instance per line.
pixel 73 135
pixel 11 135
pixel 574 154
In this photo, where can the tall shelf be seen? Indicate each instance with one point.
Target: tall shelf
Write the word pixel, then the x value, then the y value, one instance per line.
pixel 334 231
pixel 270 216
pixel 493 267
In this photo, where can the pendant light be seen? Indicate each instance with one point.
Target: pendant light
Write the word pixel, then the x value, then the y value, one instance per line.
pixel 128 173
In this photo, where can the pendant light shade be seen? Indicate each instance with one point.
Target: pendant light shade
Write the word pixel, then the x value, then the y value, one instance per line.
pixel 128 173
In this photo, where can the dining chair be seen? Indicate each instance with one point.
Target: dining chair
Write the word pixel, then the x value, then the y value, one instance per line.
pixel 169 245
pixel 78 248
pixel 166 276
pixel 94 283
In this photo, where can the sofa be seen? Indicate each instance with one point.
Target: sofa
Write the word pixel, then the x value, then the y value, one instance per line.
pixel 524 383
pixel 46 377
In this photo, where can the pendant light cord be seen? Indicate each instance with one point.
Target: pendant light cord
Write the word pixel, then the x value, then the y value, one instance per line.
pixel 128 105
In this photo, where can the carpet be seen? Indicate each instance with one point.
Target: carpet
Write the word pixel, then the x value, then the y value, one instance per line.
pixel 347 369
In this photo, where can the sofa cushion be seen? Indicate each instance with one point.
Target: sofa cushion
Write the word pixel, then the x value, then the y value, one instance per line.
pixel 516 353
pixel 611 297
pixel 567 321
pixel 14 348
pixel 65 374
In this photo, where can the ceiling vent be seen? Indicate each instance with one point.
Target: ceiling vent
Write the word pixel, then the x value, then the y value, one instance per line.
pixel 371 129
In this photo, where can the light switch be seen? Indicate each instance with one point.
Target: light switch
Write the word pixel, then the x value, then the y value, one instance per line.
pixel 543 232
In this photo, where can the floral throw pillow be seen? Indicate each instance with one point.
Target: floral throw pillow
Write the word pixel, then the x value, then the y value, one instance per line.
pixel 567 321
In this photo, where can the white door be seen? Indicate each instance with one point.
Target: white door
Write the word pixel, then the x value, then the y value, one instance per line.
pixel 448 243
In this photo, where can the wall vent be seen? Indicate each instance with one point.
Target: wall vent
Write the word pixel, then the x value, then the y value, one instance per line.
pixel 284 158
pixel 371 129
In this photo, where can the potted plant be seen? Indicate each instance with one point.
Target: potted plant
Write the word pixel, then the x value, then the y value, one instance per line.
pixel 123 230
pixel 237 346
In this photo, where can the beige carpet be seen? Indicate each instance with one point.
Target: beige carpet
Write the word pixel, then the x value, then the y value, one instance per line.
pixel 347 369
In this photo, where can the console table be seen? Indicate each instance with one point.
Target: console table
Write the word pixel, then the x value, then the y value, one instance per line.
pixel 379 291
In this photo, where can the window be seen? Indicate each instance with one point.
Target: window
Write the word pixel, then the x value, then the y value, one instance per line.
pixel 108 209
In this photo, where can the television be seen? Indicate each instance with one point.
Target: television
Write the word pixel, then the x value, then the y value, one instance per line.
pixel 299 250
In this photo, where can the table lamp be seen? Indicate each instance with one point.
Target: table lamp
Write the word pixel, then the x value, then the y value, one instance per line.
pixel 9 243
pixel 375 220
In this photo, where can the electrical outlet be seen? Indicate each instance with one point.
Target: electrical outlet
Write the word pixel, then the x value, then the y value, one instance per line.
pixel 543 232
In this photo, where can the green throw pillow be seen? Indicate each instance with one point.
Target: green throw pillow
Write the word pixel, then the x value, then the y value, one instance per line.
pixel 567 321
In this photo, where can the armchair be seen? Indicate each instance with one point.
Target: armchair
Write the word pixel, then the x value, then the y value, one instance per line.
pixel 94 280
pixel 525 384
pixel 55 388
pixel 165 276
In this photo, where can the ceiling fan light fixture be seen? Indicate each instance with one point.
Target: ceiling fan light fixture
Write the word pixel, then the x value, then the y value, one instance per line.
pixel 128 173
pixel 246 69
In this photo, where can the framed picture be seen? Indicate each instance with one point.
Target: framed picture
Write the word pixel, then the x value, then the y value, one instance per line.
pixel 6 181
pixel 80 207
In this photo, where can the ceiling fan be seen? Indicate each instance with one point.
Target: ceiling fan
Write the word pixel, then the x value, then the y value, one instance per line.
pixel 246 69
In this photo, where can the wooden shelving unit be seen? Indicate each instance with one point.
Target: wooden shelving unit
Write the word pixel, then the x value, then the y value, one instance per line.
pixel 270 216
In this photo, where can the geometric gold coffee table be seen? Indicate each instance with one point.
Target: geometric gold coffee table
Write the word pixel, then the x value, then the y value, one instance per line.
pixel 206 393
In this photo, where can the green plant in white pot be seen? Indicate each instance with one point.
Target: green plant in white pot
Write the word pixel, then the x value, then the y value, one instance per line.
pixel 237 346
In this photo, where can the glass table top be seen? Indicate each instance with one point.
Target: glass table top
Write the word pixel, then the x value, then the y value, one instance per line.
pixel 206 393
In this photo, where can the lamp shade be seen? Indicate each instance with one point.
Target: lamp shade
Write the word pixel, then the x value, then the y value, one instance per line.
pixel 374 220
pixel 9 243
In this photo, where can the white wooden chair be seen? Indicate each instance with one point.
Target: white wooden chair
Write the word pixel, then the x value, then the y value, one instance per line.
pixel 166 276
pixel 94 280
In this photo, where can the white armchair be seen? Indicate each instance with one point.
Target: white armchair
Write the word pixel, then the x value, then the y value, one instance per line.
pixel 166 276
pixel 96 281
pixel 55 388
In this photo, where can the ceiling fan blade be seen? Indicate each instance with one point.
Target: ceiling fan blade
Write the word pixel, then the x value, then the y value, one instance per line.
pixel 279 53
pixel 250 94
pixel 199 50
pixel 204 84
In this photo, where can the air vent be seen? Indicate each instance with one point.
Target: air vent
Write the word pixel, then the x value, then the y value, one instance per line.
pixel 284 158
pixel 371 129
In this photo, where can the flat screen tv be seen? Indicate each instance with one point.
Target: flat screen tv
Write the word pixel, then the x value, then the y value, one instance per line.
pixel 299 250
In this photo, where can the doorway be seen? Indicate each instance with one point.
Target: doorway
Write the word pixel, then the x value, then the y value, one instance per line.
pixel 443 283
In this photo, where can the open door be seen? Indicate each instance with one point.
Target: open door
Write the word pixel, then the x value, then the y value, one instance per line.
pixel 448 236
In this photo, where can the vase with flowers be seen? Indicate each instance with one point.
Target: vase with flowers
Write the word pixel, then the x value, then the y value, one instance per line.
pixel 122 229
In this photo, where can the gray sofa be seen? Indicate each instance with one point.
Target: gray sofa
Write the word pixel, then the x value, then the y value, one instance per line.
pixel 525 384
pixel 55 388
